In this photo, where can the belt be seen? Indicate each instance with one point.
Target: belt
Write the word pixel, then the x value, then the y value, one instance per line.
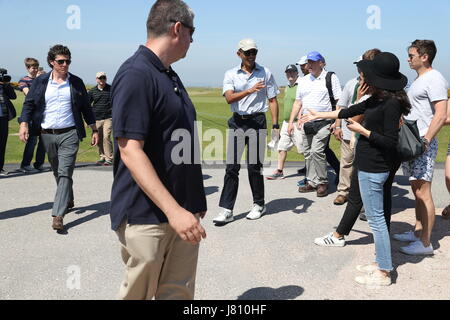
pixel 57 131
pixel 247 116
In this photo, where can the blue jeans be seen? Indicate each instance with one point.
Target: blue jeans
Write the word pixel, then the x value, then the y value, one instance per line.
pixel 371 187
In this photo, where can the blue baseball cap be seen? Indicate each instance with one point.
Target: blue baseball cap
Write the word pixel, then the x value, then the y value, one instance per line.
pixel 315 56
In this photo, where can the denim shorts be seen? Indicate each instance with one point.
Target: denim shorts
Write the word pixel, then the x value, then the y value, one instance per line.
pixel 422 168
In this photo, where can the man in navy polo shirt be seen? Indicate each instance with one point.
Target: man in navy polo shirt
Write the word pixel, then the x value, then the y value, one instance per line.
pixel 156 201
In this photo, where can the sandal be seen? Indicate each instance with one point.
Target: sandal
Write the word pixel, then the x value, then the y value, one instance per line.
pixel 446 212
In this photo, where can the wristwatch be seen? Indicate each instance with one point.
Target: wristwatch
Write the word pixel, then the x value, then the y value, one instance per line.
pixel 275 126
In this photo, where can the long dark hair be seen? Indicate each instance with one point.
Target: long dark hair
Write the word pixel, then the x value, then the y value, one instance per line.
pixel 400 96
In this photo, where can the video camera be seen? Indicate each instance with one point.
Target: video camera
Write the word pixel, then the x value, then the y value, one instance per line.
pixel 3 76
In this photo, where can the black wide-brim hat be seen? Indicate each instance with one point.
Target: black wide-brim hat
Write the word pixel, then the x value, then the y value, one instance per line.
pixel 383 72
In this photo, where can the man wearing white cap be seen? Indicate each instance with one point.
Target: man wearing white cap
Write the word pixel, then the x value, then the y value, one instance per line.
pixel 100 99
pixel 303 63
pixel 247 88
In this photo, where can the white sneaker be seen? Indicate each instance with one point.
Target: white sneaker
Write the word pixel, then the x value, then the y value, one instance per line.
pixel 330 241
pixel 368 268
pixel 374 279
pixel 224 217
pixel 406 236
pixel 3 173
pixel 28 169
pixel 256 212
pixel 417 248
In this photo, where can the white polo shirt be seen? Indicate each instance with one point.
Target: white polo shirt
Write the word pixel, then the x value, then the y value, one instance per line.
pixel 58 105
pixel 238 80
pixel 313 92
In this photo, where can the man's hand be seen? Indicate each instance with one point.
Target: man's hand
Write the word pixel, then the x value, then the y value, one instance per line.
pixel 260 85
pixel 23 132
pixel 94 139
pixel 290 128
pixel 187 226
pixel 337 132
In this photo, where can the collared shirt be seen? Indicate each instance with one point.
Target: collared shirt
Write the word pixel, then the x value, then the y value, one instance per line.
pixel 100 100
pixel 313 92
pixel 58 105
pixel 150 104
pixel 238 80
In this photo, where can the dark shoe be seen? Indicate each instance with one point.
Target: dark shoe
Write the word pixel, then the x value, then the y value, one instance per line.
pixel 340 200
pixel 306 188
pixel 302 171
pixel 58 223
pixel 100 162
pixel 70 205
pixel 362 216
pixel 107 163
pixel 322 190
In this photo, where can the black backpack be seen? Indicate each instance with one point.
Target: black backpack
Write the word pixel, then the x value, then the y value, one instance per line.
pixel 330 89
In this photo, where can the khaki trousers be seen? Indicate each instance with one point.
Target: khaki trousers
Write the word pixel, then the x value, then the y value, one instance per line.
pixel 105 148
pixel 158 263
pixel 347 157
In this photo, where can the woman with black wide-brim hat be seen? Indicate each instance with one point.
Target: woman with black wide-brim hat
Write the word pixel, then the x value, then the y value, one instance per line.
pixel 375 152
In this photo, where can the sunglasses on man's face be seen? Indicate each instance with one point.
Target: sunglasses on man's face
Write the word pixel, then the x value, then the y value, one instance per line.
pixel 61 61
pixel 251 52
pixel 102 78
pixel 191 28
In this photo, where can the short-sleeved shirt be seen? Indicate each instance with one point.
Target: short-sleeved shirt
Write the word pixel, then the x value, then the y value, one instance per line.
pixel 313 92
pixel 150 104
pixel 238 80
pixel 348 99
pixel 428 88
pixel 101 102
pixel 25 82
pixel 289 99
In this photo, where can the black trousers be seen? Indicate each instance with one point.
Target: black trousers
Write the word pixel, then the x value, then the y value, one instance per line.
pixel 355 204
pixel 3 139
pixel 332 160
pixel 251 133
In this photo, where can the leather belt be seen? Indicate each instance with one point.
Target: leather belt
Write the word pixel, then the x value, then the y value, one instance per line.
pixel 247 116
pixel 57 131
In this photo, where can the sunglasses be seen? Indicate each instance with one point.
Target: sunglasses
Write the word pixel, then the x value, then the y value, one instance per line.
pixel 191 28
pixel 61 61
pixel 251 52
pixel 102 78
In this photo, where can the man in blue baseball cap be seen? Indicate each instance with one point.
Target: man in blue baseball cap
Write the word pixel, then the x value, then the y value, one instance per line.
pixel 319 90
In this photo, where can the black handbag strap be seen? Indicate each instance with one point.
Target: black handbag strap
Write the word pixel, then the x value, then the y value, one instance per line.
pixel 330 89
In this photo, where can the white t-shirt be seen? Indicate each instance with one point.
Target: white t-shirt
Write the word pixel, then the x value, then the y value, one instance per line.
pixel 426 89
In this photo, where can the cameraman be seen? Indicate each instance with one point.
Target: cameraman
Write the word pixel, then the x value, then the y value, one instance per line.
pixel 7 112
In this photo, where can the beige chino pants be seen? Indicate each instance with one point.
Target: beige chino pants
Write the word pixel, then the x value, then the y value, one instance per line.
pixel 158 263
pixel 105 148
pixel 346 171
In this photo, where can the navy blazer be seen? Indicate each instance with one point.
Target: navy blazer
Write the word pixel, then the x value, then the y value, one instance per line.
pixel 34 105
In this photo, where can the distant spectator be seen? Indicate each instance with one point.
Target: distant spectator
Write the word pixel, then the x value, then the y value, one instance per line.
pixel 32 66
pixel 100 99
pixel 7 112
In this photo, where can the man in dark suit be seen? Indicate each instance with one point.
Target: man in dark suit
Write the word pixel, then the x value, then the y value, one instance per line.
pixel 56 105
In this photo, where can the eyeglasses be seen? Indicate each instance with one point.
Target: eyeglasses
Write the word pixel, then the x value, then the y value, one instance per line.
pixel 61 61
pixel 251 52
pixel 191 28
pixel 102 78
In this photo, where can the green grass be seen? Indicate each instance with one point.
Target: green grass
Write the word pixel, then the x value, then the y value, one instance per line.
pixel 212 110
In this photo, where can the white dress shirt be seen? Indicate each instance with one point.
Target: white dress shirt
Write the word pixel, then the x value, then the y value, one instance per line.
pixel 58 105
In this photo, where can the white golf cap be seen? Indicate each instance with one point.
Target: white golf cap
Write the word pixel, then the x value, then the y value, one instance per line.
pixel 303 60
pixel 100 74
pixel 247 44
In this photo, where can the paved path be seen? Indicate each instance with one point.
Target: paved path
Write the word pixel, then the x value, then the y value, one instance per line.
pixel 271 258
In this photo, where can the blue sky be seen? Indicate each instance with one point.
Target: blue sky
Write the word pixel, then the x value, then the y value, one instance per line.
pixel 284 30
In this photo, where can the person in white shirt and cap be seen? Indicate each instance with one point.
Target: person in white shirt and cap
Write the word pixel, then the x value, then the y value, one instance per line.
pixel 247 88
